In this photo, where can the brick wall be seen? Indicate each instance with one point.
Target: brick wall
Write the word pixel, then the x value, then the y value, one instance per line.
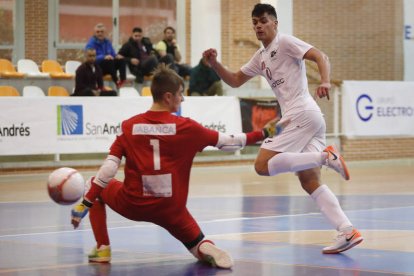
pixel 363 38
pixel 375 149
pixel 188 30
pixel 238 41
pixel 36 30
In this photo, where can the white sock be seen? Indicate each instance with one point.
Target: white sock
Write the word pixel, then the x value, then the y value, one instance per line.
pixel 329 206
pixel 294 162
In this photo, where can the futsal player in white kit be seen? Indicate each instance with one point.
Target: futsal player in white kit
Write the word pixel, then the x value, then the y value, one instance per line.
pixel 301 147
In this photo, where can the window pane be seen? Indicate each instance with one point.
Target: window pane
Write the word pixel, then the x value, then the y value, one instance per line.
pixel 64 55
pixel 6 53
pixel 77 19
pixel 6 22
pixel 151 15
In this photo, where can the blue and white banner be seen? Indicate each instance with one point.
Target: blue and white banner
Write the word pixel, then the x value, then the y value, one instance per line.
pixel 87 124
pixel 377 108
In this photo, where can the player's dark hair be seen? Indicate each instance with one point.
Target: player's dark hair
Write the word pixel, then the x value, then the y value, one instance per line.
pixel 261 9
pixel 169 28
pixel 137 30
pixel 165 80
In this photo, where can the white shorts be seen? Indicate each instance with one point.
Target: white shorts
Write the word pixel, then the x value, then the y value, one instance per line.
pixel 305 133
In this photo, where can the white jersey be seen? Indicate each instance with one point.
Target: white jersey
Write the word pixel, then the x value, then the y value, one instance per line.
pixel 282 64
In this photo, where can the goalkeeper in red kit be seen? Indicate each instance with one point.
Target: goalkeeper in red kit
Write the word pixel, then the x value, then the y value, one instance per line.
pixel 159 148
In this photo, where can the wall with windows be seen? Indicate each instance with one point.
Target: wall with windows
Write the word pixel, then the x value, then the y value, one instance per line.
pixel 12 21
pixel 77 19
pixel 363 38
pixel 6 28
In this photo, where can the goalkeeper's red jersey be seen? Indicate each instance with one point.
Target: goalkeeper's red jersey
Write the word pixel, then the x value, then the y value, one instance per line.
pixel 159 148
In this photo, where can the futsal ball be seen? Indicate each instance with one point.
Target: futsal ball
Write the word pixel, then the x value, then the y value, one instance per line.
pixel 65 186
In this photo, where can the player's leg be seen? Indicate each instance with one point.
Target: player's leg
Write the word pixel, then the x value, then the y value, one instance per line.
pixel 120 66
pixel 272 163
pixel 348 236
pixel 326 200
pixel 284 153
pixel 189 233
pixel 97 216
pixel 108 67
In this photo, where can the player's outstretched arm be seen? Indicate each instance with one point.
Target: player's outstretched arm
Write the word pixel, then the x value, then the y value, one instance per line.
pixel 106 172
pixel 234 79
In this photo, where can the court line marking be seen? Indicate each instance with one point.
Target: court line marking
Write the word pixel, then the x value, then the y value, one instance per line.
pixel 355 270
pixel 204 222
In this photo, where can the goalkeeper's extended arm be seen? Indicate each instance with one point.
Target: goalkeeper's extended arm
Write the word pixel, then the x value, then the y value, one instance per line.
pixel 239 141
pixel 106 172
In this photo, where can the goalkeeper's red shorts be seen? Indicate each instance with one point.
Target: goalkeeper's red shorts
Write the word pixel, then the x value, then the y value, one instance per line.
pixel 161 211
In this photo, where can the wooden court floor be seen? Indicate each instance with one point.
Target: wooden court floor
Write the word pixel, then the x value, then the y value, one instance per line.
pixel 268 224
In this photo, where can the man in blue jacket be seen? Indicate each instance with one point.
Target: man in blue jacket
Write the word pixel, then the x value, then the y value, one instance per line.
pixel 106 57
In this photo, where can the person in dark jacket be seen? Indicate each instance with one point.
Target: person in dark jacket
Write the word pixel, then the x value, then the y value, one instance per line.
pixel 139 55
pixel 106 57
pixel 204 81
pixel 89 80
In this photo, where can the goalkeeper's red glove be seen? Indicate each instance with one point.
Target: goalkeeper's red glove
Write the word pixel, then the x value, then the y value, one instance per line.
pixel 273 127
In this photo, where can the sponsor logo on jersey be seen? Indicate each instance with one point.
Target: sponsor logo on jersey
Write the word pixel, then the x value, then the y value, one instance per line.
pixel 278 82
pixel 154 129
pixel 70 119
pixel 268 73
pixel 273 53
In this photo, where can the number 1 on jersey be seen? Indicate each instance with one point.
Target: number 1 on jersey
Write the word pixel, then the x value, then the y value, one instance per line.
pixel 155 143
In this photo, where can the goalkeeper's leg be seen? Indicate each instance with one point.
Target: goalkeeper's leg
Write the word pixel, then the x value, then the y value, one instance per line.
pixel 187 230
pixel 97 216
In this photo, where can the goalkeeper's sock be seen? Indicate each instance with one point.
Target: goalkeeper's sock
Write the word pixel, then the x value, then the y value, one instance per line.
pixel 294 162
pixel 97 216
pixel 254 136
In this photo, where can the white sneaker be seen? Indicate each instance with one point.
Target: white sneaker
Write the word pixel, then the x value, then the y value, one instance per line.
pixel 214 255
pixel 336 162
pixel 344 241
